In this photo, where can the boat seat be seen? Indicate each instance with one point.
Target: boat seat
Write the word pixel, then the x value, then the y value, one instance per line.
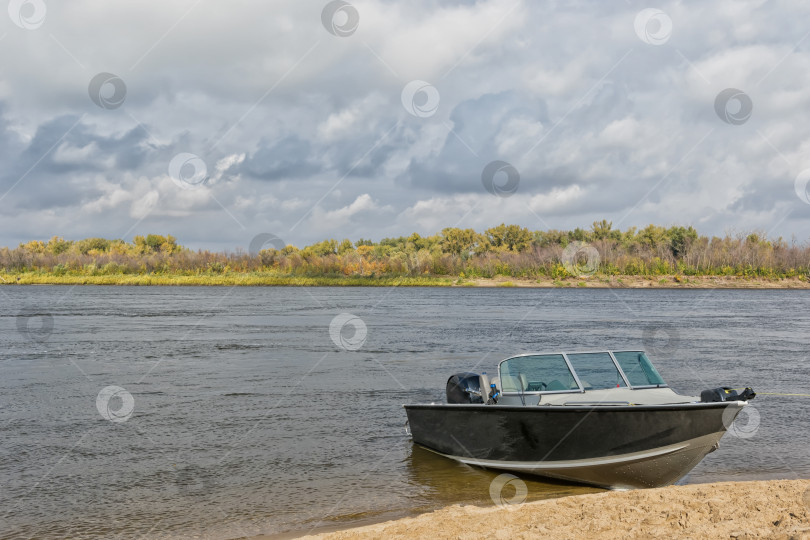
pixel 556 385
pixel 514 384
pixel 510 384
pixel 483 382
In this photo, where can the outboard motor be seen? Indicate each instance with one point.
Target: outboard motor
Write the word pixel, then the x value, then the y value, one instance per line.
pixel 725 393
pixel 464 388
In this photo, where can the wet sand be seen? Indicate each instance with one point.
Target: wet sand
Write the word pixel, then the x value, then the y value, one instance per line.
pixel 778 509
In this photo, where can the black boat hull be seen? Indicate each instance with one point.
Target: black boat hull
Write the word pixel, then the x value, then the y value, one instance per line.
pixel 607 446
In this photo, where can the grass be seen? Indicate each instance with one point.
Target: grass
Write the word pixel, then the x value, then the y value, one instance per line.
pixel 232 278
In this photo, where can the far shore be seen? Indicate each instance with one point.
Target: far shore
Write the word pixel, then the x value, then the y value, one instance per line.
pixel 778 509
pixel 597 281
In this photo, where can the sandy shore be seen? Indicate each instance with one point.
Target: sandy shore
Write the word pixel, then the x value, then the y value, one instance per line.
pixel 641 282
pixel 598 281
pixel 778 509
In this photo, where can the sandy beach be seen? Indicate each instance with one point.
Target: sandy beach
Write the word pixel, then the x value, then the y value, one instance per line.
pixel 644 282
pixel 778 509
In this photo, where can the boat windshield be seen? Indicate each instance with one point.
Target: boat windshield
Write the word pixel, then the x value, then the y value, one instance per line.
pixel 566 372
pixel 638 368
pixel 537 373
pixel 596 370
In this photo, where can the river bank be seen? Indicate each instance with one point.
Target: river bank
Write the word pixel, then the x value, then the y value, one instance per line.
pixel 778 509
pixel 281 280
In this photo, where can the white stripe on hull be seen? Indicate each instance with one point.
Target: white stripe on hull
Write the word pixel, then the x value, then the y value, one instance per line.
pixel 543 465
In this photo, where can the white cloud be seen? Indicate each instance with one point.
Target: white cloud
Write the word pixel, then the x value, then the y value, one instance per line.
pixel 426 41
pixel 70 155
pixel 432 215
pixel 362 203
pixel 283 112
pixel 557 200
pixel 142 207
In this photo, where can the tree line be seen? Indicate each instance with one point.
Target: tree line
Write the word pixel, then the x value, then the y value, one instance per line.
pixel 509 250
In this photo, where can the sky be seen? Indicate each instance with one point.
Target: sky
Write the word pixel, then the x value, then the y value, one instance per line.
pixel 224 122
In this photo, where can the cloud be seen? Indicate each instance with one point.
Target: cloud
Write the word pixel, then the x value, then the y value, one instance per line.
pixel 288 158
pixel 304 133
pixel 362 205
pixel 493 126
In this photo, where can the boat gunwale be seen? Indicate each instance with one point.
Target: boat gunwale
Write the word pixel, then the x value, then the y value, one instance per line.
pixel 575 408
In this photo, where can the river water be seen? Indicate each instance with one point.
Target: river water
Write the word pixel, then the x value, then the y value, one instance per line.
pixel 213 412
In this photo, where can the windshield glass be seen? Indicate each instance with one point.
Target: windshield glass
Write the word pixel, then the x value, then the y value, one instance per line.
pixel 638 368
pixel 536 373
pixel 596 370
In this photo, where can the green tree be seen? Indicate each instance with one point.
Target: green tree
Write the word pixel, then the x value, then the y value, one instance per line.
pixel 57 245
pixel 653 236
pixel 416 242
pixel 458 241
pixel 509 237
pixel 100 245
pixel 327 247
pixel 680 238
pixel 579 235
pixel 345 247
pixel 601 229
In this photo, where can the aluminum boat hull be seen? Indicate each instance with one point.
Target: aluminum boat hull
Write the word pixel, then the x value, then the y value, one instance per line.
pixel 616 447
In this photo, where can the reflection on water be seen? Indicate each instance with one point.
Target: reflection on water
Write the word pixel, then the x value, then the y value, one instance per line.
pixel 442 481
pixel 172 412
pixel 435 482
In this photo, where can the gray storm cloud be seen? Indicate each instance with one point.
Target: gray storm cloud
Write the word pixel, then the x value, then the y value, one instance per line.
pixel 382 124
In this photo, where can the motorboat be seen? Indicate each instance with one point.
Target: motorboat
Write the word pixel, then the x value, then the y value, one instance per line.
pixel 603 418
